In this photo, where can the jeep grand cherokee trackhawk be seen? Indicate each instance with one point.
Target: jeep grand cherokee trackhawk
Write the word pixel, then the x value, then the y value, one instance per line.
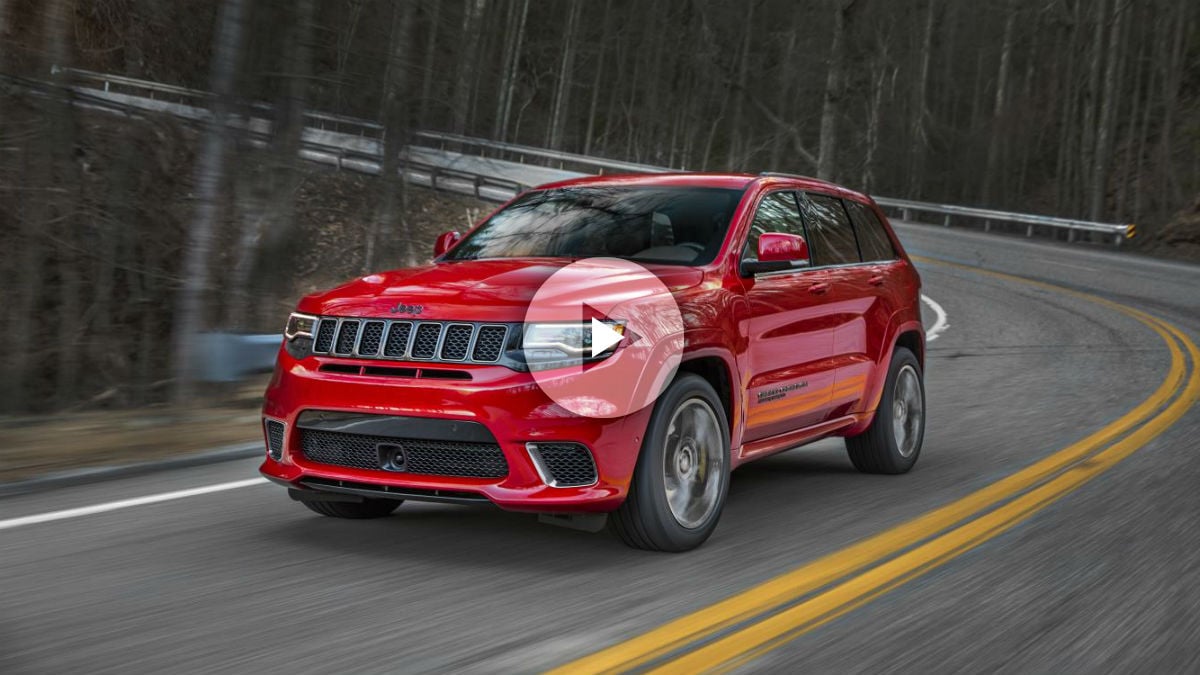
pixel 801 321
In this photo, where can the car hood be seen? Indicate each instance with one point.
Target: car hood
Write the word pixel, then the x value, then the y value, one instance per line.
pixel 475 290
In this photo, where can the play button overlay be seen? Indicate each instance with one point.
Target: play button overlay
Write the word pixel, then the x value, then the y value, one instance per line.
pixel 603 337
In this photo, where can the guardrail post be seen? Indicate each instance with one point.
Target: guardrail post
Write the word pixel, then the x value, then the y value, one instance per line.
pixel 1029 230
pixel 905 215
pixel 1117 240
pixel 1070 235
pixel 987 225
pixel 946 221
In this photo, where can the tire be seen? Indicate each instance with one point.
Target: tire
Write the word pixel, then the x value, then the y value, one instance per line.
pixel 368 508
pixel 888 446
pixel 688 427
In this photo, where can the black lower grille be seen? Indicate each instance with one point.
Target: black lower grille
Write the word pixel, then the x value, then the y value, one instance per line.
pixel 569 464
pixel 420 456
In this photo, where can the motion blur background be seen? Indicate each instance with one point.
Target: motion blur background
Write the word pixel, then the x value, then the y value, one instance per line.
pixel 122 237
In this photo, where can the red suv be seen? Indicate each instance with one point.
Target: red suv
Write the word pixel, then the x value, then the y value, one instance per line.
pixel 801 320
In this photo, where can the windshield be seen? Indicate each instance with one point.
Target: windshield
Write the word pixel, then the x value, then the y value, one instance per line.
pixel 672 225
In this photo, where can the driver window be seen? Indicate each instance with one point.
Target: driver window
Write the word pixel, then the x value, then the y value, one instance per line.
pixel 777 212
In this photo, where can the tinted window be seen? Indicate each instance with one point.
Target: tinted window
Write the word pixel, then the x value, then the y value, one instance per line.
pixel 830 236
pixel 674 225
pixel 777 212
pixel 872 238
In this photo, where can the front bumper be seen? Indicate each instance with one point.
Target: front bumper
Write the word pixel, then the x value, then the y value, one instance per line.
pixel 509 404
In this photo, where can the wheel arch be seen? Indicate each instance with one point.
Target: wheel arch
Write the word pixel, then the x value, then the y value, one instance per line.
pixel 718 372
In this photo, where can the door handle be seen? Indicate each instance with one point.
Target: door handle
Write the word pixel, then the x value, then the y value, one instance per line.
pixel 876 280
pixel 819 289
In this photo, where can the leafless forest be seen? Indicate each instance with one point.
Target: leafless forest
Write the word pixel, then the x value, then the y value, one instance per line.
pixel 122 238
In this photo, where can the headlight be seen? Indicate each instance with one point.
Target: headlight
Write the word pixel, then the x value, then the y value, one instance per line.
pixel 299 325
pixel 298 335
pixel 554 345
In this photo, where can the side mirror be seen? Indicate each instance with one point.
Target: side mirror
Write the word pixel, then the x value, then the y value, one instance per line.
pixel 444 242
pixel 777 251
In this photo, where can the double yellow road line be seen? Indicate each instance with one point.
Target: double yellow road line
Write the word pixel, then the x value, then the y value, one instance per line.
pixel 743 627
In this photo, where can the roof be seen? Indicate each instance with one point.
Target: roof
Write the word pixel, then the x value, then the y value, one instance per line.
pixel 737 181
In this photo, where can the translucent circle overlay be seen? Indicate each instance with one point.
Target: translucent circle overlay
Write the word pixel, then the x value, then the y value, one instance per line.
pixel 631 300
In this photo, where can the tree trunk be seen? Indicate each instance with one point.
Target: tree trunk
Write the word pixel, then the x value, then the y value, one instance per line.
pixel 1104 129
pixel 998 106
pixel 209 171
pixel 427 68
pixel 1091 102
pixel 345 39
pixel 391 211
pixel 735 159
pixel 918 135
pixel 606 29
pixel 830 108
pixel 461 107
pixel 562 90
pixel 267 229
pixel 787 76
pixel 512 65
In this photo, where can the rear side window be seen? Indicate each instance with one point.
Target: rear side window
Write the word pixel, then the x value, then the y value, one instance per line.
pixel 777 212
pixel 830 235
pixel 872 238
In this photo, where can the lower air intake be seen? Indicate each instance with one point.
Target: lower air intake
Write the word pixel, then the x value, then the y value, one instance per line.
pixel 564 464
pixel 275 432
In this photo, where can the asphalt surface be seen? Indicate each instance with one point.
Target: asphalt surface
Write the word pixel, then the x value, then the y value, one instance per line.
pixel 1106 579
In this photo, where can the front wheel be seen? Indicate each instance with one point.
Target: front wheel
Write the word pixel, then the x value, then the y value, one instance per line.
pixel 682 473
pixel 893 441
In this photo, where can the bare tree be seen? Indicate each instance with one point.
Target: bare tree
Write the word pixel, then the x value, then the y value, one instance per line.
pixel 562 90
pixel 209 172
pixel 827 150
pixel 395 120
pixel 999 103
pixel 1104 128
pixel 471 26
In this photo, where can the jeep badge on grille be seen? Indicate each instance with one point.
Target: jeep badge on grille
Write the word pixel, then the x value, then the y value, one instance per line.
pixel 401 308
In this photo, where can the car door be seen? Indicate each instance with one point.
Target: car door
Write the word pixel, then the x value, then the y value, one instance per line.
pixel 851 303
pixel 790 333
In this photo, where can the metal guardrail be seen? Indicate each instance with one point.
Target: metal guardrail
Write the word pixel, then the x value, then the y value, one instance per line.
pixel 908 207
pixel 159 91
pixel 501 150
pixel 523 153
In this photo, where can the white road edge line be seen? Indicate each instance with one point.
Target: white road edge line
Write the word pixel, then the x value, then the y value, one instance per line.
pixel 940 325
pixel 126 503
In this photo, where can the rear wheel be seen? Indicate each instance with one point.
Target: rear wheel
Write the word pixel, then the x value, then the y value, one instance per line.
pixel 368 508
pixel 682 473
pixel 893 441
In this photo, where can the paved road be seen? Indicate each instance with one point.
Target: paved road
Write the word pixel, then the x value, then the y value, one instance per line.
pixel 1107 578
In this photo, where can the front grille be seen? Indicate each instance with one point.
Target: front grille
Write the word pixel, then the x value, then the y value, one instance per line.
pixel 397 340
pixel 425 344
pixel 490 343
pixel 372 333
pixel 275 431
pixel 408 340
pixel 347 333
pixel 565 464
pixel 428 457
pixel 458 338
pixel 325 333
